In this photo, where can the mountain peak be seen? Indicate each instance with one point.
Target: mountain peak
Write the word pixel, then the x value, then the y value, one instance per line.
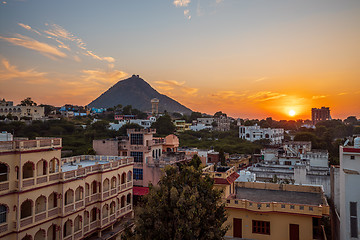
pixel 137 92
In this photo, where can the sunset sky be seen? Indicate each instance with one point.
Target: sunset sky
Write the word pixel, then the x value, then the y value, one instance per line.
pixel 248 58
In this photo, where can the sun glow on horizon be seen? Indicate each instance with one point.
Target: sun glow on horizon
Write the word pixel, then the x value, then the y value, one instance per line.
pixel 292 113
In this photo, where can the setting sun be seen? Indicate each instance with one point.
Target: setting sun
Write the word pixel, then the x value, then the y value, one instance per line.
pixel 292 113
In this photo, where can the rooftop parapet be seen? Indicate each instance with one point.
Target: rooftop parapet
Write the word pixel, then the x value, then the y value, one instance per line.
pixel 271 197
pixel 27 145
pixel 148 130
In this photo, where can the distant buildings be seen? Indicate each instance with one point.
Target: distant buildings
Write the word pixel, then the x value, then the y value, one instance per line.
pixel 154 107
pixel 253 133
pixel 45 197
pixel 21 112
pixel 320 114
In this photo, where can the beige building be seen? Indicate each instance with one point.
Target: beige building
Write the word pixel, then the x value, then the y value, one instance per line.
pixel 270 211
pixel 31 112
pixel 45 197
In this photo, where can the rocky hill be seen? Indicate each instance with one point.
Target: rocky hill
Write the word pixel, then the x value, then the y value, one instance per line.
pixel 136 92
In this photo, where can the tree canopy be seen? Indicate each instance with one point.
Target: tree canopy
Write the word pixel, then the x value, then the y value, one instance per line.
pixel 164 125
pixel 183 206
pixel 28 102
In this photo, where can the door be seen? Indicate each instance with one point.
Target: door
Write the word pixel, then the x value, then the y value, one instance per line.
pixel 294 232
pixel 237 224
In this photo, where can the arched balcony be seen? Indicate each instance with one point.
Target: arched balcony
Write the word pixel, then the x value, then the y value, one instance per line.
pixel 79 194
pixel 26 209
pixel 67 228
pixel 106 185
pixel 128 199
pixel 28 170
pixel 40 204
pixel 40 235
pixel 113 182
pixel 112 208
pixel 69 197
pixel 54 165
pixel 53 232
pixel 4 171
pixel 105 211
pixel 129 176
pixel 3 213
pixel 77 224
pixel 87 189
pixel 41 168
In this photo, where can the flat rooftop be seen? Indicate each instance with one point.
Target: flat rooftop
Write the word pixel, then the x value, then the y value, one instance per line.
pixel 267 195
pixel 69 166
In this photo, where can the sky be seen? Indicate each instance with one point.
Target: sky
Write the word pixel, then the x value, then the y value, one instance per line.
pixel 247 58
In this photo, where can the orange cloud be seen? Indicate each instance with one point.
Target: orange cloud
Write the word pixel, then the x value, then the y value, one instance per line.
pixel 11 72
pixel 266 96
pixel 181 3
pixel 30 43
pixel 169 85
pixel 103 77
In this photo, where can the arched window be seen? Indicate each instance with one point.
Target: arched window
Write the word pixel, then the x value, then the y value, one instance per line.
pixel 40 235
pixel 123 178
pixel 86 218
pixel 122 201
pixel 118 203
pixel 93 215
pixel 67 228
pixel 40 204
pixel 112 208
pixel 26 209
pixel 3 213
pixel 79 193
pixel 54 165
pixel 113 182
pixel 105 211
pixel 52 233
pixel 128 199
pixel 28 170
pixel 266 135
pixel 93 187
pixel 87 189
pixel 41 168
pixel 3 172
pixel 69 196
pixel 77 223
pixel 27 237
pixel 106 185
pixel 247 135
pixel 52 201
pixel 129 176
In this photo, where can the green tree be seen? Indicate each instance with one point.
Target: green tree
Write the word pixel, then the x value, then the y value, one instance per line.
pixel 28 102
pixel 195 162
pixel 183 206
pixel 164 125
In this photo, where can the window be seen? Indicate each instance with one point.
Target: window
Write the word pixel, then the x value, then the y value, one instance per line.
pixel 136 139
pixel 138 156
pixel 352 157
pixel 3 172
pixel 138 174
pixel 261 227
pixel 353 220
pixel 3 212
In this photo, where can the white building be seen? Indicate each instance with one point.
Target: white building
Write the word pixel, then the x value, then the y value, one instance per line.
pixel 253 133
pixel 5 136
pixel 145 123
pixel 350 191
pixel 200 126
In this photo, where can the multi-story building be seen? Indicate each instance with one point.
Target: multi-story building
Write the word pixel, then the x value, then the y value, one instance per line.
pixel 150 154
pixel 222 123
pixel 19 112
pixel 181 125
pixel 268 210
pixel 349 191
pixel 320 114
pixel 45 197
pixel 253 133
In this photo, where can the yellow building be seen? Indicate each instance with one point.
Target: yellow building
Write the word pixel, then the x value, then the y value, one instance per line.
pixel 270 211
pixel 181 125
pixel 45 197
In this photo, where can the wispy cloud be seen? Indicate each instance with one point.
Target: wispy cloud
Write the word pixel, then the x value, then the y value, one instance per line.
pixel 30 43
pixel 318 97
pixel 187 14
pixel 266 96
pixel 181 3
pixel 342 93
pixel 260 79
pixel 103 77
pixel 169 85
pixel 8 72
pixel 27 27
pixel 228 94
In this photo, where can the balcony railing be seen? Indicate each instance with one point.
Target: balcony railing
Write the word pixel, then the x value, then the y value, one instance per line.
pixel 53 212
pixel 28 182
pixel 4 186
pixel 4 228
pixel 26 221
pixel 25 145
pixel 40 216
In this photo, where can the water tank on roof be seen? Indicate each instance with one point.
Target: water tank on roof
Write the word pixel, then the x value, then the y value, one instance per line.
pixel 357 142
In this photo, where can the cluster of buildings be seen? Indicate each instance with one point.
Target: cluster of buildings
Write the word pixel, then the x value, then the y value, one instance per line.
pixel 220 123
pixel 151 154
pixel 7 110
pixel 254 133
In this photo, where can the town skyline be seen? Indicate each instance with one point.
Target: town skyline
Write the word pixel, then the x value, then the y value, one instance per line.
pixel 247 59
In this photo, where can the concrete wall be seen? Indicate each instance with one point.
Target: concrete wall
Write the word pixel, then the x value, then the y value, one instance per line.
pixel 106 147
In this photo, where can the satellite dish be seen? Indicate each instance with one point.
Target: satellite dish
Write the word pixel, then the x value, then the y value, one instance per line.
pixel 346 142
